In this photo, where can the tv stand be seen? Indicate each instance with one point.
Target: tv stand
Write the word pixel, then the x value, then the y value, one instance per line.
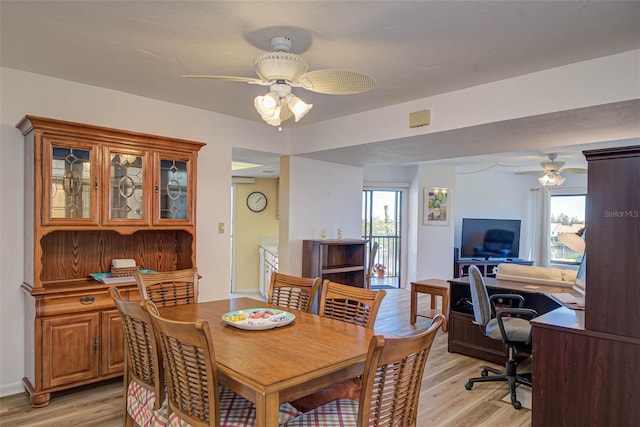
pixel 486 266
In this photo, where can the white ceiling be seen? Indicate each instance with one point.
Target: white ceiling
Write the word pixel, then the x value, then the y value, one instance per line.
pixel 413 49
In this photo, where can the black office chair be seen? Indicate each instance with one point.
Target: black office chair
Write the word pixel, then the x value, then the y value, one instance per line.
pixel 506 325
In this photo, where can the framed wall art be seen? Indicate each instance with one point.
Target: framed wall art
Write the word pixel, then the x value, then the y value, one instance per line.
pixel 436 206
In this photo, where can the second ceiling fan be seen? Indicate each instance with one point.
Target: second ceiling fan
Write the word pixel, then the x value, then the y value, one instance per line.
pixel 282 70
pixel 551 171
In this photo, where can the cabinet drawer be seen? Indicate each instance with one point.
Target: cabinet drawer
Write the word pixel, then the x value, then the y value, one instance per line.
pixel 74 303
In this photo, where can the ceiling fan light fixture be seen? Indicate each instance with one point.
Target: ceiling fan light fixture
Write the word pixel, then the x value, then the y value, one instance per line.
pixel 267 106
pixel 551 179
pixel 274 121
pixel 298 107
pixel 270 101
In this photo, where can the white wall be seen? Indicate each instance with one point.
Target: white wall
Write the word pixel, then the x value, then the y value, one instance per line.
pixel 496 195
pixel 321 195
pixel 375 174
pixel 434 253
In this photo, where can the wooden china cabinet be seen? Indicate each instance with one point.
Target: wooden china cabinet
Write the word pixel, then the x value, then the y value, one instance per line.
pixel 93 194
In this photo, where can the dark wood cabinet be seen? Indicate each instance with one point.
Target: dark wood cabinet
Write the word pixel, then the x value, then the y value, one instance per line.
pixel 581 377
pixel 585 364
pixel 612 237
pixel 341 260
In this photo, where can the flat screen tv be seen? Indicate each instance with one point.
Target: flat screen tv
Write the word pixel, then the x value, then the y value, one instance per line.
pixel 488 238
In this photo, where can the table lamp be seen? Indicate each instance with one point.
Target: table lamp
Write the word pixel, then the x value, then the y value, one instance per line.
pixel 573 241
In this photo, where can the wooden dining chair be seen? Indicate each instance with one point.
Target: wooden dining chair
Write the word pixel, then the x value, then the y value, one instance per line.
pixel 350 304
pixel 293 291
pixel 372 257
pixel 391 384
pixel 143 374
pixel 193 393
pixel 169 288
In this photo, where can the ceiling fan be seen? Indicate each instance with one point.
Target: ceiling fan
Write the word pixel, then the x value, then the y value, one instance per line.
pixel 282 70
pixel 551 170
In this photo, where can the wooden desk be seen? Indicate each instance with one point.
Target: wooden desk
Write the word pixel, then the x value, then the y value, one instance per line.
pixel 465 336
pixel 282 364
pixel 433 287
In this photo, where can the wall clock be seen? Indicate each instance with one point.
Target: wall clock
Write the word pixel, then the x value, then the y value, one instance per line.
pixel 257 201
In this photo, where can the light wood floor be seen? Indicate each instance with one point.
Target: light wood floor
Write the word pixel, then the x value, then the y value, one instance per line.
pixel 443 401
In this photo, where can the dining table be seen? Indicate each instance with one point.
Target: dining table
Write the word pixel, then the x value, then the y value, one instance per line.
pixel 281 364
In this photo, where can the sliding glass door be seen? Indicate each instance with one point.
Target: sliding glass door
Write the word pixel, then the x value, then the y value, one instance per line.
pixel 382 223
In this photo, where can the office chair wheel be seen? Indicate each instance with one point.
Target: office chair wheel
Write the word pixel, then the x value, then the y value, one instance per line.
pixel 468 385
pixel 517 405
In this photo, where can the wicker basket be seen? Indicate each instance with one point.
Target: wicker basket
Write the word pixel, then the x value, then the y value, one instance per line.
pixel 123 271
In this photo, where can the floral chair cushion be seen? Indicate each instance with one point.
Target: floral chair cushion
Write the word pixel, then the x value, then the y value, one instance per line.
pixel 338 413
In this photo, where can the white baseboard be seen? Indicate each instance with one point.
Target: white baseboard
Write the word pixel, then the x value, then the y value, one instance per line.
pixel 9 389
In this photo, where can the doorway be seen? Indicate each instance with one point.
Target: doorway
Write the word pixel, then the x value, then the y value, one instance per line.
pixel 382 222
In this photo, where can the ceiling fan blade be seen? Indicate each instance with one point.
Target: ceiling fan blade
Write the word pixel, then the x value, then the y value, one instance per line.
pixel 573 170
pixel 531 173
pixel 250 80
pixel 336 82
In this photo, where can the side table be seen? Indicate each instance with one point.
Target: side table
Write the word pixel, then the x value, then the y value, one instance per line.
pixel 433 287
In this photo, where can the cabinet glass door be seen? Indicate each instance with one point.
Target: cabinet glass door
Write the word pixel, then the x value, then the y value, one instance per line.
pixel 126 189
pixel 71 185
pixel 173 189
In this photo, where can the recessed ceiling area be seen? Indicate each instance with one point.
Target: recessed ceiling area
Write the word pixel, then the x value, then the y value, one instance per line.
pixel 479 147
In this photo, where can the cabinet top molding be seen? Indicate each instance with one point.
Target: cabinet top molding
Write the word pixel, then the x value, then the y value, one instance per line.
pixel 100 133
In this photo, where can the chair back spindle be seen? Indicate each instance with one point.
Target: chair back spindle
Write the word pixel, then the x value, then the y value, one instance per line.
pixel 169 288
pixel 350 304
pixel 293 292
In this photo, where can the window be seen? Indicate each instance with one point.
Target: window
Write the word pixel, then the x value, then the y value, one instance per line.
pixel 567 216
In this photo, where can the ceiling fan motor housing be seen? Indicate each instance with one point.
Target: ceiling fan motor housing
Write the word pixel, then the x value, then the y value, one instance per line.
pixel 271 66
pixel 280 89
pixel 551 166
pixel 281 43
